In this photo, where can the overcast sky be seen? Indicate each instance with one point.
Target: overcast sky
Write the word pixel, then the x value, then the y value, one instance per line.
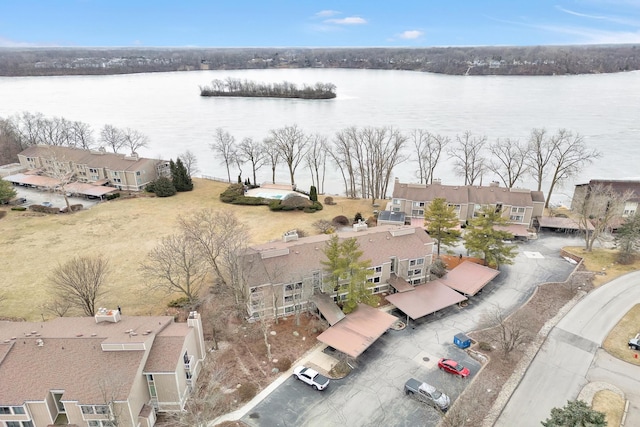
pixel 309 23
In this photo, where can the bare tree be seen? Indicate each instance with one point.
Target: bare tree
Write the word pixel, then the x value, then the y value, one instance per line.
pixel 272 156
pixel 112 137
pixel 134 140
pixel 508 161
pixel 253 152
pixel 292 145
pixel 224 145
pixel 176 265
pixel 59 307
pixel 428 148
pixel 510 332
pixel 58 167
pixel 468 161
pixel 598 207
pixel 28 127
pixel 220 238
pixel 81 135
pixel 190 162
pixel 316 160
pixel 539 153
pixel 341 153
pixel 569 155
pixel 80 281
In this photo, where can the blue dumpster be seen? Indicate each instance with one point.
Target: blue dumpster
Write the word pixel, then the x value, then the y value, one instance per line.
pixel 461 340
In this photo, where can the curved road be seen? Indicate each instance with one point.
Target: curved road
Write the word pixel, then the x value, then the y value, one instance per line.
pixel 572 356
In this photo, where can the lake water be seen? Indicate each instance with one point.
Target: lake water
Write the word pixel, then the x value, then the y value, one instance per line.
pixel 604 108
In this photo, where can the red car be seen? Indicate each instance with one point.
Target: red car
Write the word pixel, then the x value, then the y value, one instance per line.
pixel 453 367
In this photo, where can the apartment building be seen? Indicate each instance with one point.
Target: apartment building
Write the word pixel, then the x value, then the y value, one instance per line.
pixel 104 371
pixel 620 187
pixel 282 276
pixel 124 172
pixel 518 206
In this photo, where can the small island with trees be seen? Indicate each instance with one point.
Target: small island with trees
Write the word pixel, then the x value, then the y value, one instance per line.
pixel 251 89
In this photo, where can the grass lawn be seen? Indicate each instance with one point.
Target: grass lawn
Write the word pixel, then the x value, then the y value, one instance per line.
pixel 617 341
pixel 610 404
pixel 32 245
pixel 602 261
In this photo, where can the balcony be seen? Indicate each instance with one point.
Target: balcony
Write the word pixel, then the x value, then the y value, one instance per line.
pixel 189 363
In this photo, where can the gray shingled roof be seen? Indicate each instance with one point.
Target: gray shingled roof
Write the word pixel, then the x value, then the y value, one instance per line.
pixel 71 357
pixel 305 254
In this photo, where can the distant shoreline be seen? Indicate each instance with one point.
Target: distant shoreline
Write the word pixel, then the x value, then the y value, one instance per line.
pixel 455 61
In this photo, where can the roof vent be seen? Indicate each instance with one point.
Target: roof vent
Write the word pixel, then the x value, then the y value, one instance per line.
pixel 106 315
pixel 39 343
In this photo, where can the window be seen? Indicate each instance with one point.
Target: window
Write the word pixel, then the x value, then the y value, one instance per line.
pixel 92 170
pixel 87 409
pixel 376 280
pixel 379 269
pixel 13 423
pixel 455 207
pixel 289 309
pixel 137 173
pixel 117 180
pixel 516 218
pixel 288 298
pixel 18 410
pixel 417 272
pixel 395 201
pixel 420 261
pixel 418 204
pixel 417 212
pixel 412 262
pixel 114 173
pixel 5 410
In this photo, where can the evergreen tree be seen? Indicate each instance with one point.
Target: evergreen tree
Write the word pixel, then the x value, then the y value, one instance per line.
pixel 182 180
pixel 313 194
pixel 7 192
pixel 348 273
pixel 484 239
pixel 440 221
pixel 163 187
pixel 575 413
pixel 627 238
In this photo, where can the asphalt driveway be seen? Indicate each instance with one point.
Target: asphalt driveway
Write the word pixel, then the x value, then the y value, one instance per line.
pixel 372 395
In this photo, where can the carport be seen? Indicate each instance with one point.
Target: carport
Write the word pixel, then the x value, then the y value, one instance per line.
pixel 559 223
pixel 425 299
pixel 33 180
pixel 89 189
pixel 358 330
pixel 327 308
pixel 469 278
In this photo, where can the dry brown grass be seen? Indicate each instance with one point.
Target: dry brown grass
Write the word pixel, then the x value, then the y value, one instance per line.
pixel 617 341
pixel 124 230
pixel 610 404
pixel 603 262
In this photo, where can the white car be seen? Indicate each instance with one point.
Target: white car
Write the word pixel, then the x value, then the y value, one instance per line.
pixel 311 377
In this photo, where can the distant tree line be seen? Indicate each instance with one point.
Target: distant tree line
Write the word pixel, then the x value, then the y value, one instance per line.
pixel 483 60
pixel 248 88
pixel 27 129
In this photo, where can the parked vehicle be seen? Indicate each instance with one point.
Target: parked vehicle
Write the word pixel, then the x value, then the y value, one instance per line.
pixel 427 393
pixel 453 367
pixel 311 377
pixel 634 343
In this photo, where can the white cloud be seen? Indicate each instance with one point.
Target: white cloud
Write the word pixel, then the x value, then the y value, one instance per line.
pixel 614 19
pixel 411 34
pixel 350 20
pixel 594 36
pixel 326 13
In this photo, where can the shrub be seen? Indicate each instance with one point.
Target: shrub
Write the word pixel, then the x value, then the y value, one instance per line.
pixel 74 208
pixel 19 208
pixel 372 221
pixel 246 392
pixel 341 220
pixel 438 268
pixel 231 193
pixel 179 302
pixel 313 193
pixel 358 217
pixel 114 195
pixel 329 201
pixel 323 226
pixel 283 364
pixel 248 200
pixel 484 346
pixel 163 187
pixel 275 205
pixel 297 202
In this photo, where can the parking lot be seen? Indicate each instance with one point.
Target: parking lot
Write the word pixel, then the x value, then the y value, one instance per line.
pixel 372 394
pixel 38 197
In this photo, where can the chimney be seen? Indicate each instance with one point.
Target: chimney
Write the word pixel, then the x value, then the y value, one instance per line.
pixel 290 235
pixel 194 321
pixel 494 184
pixel 436 181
